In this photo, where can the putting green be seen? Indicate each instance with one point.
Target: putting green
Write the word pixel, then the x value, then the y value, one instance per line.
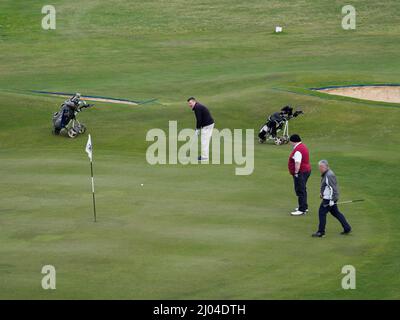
pixel 195 231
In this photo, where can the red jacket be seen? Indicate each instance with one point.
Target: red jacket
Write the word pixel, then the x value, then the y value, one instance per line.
pixel 305 161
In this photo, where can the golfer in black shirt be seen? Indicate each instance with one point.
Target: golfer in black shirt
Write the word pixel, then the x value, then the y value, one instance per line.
pixel 204 124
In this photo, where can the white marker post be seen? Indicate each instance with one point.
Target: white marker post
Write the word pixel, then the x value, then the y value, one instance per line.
pixel 89 151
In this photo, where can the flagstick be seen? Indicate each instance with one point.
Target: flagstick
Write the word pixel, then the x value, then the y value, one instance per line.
pixel 89 151
pixel 94 198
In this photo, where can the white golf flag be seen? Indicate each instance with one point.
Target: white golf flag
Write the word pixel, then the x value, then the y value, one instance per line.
pixel 89 148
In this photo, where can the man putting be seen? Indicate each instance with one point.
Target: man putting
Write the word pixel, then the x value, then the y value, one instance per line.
pixel 204 125
pixel 300 168
pixel 329 195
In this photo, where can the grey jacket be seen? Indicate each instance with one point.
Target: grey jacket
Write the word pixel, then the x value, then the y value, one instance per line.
pixel 329 186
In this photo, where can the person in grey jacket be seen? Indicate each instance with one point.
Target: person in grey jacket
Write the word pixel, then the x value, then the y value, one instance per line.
pixel 329 195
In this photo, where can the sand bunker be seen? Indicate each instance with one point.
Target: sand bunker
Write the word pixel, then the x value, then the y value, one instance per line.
pixel 103 99
pixel 111 100
pixel 384 93
pixel 97 98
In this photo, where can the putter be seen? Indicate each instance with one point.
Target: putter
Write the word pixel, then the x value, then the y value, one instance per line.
pixel 351 201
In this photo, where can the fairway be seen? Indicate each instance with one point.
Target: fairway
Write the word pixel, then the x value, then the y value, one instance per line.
pixel 178 231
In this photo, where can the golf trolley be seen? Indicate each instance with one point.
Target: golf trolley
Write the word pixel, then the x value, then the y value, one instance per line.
pixel 66 119
pixel 74 127
pixel 275 124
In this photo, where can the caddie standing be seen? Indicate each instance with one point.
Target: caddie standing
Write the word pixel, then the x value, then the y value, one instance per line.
pixel 204 126
pixel 329 195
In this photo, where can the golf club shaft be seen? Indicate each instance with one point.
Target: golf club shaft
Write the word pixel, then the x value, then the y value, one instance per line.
pixel 350 201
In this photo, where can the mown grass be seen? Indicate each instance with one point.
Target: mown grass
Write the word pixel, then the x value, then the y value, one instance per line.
pixel 194 231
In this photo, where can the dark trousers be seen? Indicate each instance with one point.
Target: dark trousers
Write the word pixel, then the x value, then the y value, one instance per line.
pixel 334 210
pixel 300 187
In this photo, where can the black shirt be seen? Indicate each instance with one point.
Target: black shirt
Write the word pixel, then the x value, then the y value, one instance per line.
pixel 203 116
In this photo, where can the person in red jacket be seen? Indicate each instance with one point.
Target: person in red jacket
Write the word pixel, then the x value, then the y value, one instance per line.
pixel 300 168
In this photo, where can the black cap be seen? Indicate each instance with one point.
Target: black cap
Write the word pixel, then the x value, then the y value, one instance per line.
pixel 191 98
pixel 295 138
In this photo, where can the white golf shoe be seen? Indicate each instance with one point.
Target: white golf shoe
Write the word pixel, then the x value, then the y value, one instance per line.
pixel 297 213
pixel 297 209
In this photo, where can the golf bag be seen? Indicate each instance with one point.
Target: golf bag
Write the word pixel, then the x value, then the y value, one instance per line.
pixel 275 123
pixel 66 119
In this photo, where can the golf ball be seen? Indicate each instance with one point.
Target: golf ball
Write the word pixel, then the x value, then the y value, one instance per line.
pixel 142 184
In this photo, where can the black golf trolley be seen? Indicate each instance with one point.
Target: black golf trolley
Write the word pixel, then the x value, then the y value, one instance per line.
pixel 66 117
pixel 276 128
